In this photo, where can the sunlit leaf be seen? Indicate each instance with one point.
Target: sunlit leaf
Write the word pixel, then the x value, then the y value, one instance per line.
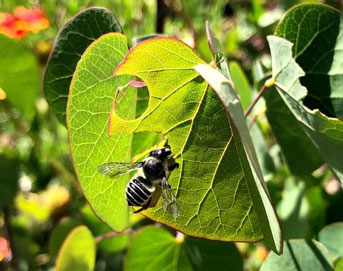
pixel 77 252
pixel 91 97
pixel 73 39
pixel 211 185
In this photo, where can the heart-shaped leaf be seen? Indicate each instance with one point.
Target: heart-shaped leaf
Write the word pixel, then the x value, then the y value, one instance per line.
pixel 77 252
pixel 73 39
pixel 212 184
pixel 91 97
pixel 20 76
pixel 326 133
pixel 317 34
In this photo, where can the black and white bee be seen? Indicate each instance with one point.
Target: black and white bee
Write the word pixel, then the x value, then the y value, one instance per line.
pixel 150 181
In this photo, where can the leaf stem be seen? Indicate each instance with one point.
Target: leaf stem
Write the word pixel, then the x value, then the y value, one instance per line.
pixel 7 224
pixel 254 102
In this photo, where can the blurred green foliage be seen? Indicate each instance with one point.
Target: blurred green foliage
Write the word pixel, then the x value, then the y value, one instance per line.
pixel 40 197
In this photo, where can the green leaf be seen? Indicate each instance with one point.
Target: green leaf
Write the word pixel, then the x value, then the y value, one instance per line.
pixel 326 133
pixel 291 136
pixel 91 97
pixel 77 252
pixel 155 248
pixel 316 31
pixel 339 264
pixel 262 151
pixel 293 209
pixel 59 233
pixel 20 75
pixel 210 185
pixel 299 255
pixel 9 169
pixel 213 255
pixel 332 237
pixel 181 253
pixel 71 42
pixel 247 155
pixel 241 83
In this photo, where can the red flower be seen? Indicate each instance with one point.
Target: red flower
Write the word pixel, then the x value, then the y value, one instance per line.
pixel 22 22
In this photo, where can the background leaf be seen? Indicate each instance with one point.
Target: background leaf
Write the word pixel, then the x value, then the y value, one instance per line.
pixel 326 133
pixel 73 39
pixel 241 83
pixel 299 255
pixel 59 233
pixel 181 253
pixel 210 184
pixel 291 136
pixel 77 252
pixel 20 76
pixel 317 31
pixel 164 253
pixel 91 97
pixel 213 255
pixel 332 237
pixel 9 169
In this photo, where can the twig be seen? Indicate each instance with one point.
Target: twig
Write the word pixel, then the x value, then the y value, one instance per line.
pixel 111 234
pixel 7 224
pixel 253 120
pixel 259 95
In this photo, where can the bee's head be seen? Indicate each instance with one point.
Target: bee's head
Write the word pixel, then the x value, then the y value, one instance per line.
pixel 161 153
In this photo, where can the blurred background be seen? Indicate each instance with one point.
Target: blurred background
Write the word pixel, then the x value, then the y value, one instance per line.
pixel 40 198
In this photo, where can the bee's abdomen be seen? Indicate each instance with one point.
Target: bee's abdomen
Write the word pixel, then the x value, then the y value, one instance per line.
pixel 138 191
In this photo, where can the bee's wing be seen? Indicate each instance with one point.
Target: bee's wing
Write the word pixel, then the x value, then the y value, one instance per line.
pixel 169 201
pixel 115 169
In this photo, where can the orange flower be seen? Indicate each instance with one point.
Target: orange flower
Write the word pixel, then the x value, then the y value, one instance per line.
pixel 22 22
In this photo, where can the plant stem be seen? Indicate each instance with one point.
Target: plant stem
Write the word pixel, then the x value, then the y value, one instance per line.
pixel 7 224
pixel 111 234
pixel 254 102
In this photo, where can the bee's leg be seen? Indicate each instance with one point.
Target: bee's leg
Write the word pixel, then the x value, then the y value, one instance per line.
pixel 172 167
pixel 146 206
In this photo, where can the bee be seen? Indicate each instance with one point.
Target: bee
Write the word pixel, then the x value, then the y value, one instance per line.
pixel 150 181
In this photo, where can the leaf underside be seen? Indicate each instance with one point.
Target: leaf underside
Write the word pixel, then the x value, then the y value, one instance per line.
pixel 210 184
